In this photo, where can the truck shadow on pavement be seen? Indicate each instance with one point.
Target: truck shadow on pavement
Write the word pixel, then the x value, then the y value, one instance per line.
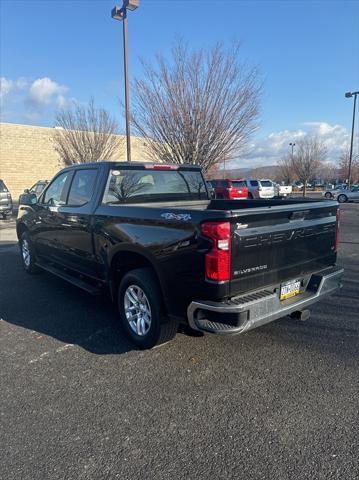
pixel 50 306
pixel 47 305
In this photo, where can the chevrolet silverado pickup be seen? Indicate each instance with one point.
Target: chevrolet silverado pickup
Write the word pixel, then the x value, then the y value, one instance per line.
pixel 166 252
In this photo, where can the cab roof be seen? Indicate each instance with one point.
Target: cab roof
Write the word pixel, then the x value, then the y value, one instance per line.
pixel 149 165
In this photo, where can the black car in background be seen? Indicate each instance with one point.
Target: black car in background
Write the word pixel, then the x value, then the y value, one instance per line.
pixel 37 188
pixel 5 201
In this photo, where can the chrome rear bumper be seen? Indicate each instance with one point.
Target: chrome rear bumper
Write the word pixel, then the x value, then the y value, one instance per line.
pixel 249 311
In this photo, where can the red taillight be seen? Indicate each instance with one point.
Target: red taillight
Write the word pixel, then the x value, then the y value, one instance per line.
pixel 218 260
pixel 337 230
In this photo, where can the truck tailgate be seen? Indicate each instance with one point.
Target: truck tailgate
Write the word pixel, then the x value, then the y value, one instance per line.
pixel 278 244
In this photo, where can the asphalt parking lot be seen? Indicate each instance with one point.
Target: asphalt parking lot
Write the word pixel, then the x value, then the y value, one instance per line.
pixel 77 401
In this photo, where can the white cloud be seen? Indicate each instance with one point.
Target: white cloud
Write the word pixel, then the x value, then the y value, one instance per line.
pixel 21 83
pixel 29 100
pixel 268 150
pixel 8 86
pixel 44 92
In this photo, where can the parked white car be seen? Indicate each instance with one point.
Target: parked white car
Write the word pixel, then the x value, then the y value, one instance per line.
pixel 260 188
pixel 349 195
pixel 284 190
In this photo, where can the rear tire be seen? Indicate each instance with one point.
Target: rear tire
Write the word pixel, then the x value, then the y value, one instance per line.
pixel 28 255
pixel 328 195
pixel 140 306
pixel 342 198
pixel 250 196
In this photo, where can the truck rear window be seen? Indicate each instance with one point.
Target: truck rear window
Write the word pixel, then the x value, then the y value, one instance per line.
pixel 266 183
pixel 143 185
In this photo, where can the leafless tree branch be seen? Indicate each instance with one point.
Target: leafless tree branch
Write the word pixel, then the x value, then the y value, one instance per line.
pixel 199 107
pixel 344 167
pixel 286 171
pixel 86 134
pixel 310 154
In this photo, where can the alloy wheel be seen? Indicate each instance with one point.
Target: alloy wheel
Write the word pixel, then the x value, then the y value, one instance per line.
pixel 26 252
pixel 137 310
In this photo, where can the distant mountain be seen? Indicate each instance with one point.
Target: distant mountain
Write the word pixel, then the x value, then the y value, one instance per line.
pixel 269 171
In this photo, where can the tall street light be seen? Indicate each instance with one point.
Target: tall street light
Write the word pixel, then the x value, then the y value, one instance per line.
pixel 349 95
pixel 292 145
pixel 120 13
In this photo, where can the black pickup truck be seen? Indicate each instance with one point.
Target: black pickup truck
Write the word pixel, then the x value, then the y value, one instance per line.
pixel 167 253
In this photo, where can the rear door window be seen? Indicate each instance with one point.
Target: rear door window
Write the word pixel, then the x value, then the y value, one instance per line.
pixel 82 187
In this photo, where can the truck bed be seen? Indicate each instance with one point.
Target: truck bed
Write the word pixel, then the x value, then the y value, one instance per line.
pixel 272 240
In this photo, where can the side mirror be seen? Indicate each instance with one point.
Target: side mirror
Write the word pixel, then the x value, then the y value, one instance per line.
pixel 26 190
pixel 28 199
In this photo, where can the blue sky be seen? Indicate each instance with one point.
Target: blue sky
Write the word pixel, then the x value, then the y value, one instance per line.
pixel 307 51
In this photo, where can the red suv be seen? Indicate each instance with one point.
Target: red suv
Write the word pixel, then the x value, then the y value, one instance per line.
pixel 230 189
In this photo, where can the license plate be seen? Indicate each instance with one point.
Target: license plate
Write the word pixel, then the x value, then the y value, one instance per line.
pixel 289 289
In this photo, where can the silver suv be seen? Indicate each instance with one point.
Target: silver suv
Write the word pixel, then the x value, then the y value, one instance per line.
pixel 260 188
pixel 5 201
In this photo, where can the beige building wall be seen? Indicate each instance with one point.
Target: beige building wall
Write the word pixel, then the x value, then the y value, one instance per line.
pixel 27 155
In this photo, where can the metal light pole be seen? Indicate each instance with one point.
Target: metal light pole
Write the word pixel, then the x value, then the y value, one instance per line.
pixel 292 145
pixel 120 13
pixel 349 95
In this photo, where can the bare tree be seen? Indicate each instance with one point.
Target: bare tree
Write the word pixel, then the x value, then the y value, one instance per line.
pixel 198 107
pixel 128 186
pixel 344 167
pixel 328 172
pixel 310 154
pixel 213 171
pixel 86 134
pixel 285 171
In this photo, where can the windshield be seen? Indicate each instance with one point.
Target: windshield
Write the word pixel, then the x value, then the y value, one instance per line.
pixel 2 186
pixel 142 185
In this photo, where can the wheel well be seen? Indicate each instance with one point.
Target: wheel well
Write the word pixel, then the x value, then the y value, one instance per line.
pixel 20 229
pixel 124 262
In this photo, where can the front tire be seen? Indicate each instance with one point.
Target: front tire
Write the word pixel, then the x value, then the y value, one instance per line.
pixel 140 307
pixel 328 195
pixel 342 198
pixel 28 254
